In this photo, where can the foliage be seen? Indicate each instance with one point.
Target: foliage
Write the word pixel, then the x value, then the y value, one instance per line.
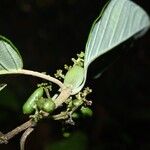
pixel 118 21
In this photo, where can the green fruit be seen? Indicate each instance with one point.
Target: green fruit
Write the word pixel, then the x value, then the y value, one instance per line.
pixel 29 105
pixel 48 105
pixel 75 115
pixel 45 104
pixel 74 77
pixel 40 102
pixel 87 112
pixel 66 134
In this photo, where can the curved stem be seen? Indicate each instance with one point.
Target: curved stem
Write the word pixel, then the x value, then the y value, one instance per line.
pixel 34 73
pixel 24 137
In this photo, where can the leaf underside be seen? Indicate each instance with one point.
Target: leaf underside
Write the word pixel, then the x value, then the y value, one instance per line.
pixel 9 56
pixel 120 20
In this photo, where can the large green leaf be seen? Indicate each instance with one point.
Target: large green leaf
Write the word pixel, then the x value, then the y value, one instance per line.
pixel 9 56
pixel 120 20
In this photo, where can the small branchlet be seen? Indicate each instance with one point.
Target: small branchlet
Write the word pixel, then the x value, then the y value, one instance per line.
pixel 72 105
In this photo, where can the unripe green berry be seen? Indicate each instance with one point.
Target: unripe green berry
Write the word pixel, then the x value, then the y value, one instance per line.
pixel 28 107
pixel 75 115
pixel 40 103
pixel 86 111
pixel 49 105
pixel 66 134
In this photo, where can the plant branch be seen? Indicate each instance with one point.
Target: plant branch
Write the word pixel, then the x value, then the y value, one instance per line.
pixel 4 138
pixel 34 73
pixel 65 93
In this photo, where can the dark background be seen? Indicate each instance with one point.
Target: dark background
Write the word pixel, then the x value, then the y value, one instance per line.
pixel 48 33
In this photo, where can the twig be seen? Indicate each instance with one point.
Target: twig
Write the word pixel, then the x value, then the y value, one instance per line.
pixel 62 115
pixel 34 73
pixel 4 138
pixel 24 137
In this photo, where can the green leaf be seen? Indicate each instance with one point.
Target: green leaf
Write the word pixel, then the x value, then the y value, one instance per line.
pixel 120 20
pixel 9 56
